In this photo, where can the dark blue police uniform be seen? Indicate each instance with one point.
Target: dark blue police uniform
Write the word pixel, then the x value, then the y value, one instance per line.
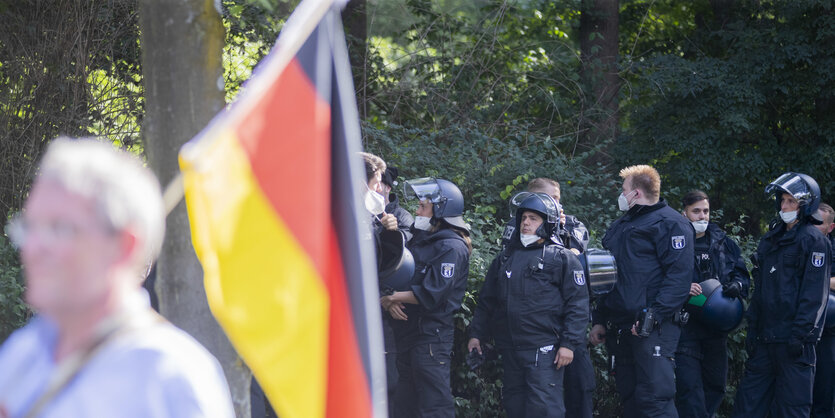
pixel 653 247
pixel 579 375
pixel 823 393
pixel 534 300
pixel 701 357
pixel 424 341
pixel 784 322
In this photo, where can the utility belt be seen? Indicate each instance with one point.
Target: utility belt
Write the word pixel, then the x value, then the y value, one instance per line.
pixel 647 320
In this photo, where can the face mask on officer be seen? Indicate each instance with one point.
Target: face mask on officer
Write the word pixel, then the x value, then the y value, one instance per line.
pixel 788 217
pixel 699 226
pixel 623 202
pixel 375 203
pixel 528 240
pixel 423 223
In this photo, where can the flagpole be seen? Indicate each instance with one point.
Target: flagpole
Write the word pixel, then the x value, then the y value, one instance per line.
pixel 296 30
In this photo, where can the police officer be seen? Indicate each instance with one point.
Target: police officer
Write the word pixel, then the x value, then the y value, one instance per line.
pixel 653 247
pixel 701 357
pixel 424 328
pixel 573 235
pixel 786 313
pixel 534 303
pixel 823 393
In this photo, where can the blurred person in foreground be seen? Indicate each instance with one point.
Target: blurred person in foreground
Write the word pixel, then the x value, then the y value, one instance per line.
pixel 93 221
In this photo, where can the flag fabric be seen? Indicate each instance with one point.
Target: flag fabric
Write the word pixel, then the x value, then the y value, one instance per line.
pixel 272 188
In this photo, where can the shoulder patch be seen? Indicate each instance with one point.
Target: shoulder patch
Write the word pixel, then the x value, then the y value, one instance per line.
pixel 579 277
pixel 817 259
pixel 448 270
pixel 678 242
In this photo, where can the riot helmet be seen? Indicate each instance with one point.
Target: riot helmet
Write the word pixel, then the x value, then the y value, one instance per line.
pixel 713 309
pixel 800 186
pixel 447 200
pixel 396 264
pixel 546 207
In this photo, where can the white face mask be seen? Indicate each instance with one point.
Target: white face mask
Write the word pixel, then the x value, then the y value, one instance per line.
pixel 375 203
pixel 788 217
pixel 699 226
pixel 528 240
pixel 623 203
pixel 423 223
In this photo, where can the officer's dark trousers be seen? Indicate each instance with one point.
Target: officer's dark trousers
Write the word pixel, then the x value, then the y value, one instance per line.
pixel 423 386
pixel 532 384
pixel 579 386
pixel 776 383
pixel 644 370
pixel 823 395
pixel 701 372
pixel 391 360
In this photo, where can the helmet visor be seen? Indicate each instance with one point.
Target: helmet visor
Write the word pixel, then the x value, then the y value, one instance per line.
pixel 515 201
pixel 792 184
pixel 551 209
pixel 422 188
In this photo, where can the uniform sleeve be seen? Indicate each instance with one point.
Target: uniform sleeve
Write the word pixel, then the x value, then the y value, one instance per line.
pixel 576 304
pixel 752 315
pixel 487 300
pixel 442 272
pixel 675 253
pixel 404 222
pixel 577 234
pixel 736 266
pixel 813 292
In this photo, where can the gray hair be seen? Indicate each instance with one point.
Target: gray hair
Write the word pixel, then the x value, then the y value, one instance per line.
pixel 124 191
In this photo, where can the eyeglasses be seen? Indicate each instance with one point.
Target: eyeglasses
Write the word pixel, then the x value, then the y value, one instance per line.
pixel 59 231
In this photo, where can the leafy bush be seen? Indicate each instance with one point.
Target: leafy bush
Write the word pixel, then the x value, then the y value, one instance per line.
pixel 13 311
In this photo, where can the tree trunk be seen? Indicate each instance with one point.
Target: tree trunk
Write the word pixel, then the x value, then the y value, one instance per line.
pixel 355 21
pixel 599 56
pixel 182 42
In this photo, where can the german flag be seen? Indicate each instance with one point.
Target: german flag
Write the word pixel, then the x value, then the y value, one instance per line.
pixel 272 188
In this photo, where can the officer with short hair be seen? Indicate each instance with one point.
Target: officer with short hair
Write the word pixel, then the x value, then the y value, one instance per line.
pixel 701 357
pixel 823 393
pixel 786 313
pixel 534 304
pixel 653 247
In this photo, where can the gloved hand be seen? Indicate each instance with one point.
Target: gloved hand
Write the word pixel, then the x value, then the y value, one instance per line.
pixel 794 348
pixel 474 359
pixel 732 289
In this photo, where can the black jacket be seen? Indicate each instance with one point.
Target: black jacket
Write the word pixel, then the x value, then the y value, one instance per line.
pixel 533 297
pixel 441 270
pixel 726 265
pixel 653 248
pixel 791 285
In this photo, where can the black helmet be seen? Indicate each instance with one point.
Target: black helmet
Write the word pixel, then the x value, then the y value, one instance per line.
pixel 546 207
pixel 802 187
pixel 715 310
pixel 829 321
pixel 447 200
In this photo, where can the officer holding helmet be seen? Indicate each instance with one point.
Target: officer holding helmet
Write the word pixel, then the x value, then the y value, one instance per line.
pixel 701 357
pixel 534 304
pixel 787 307
pixel 653 247
pixel 424 328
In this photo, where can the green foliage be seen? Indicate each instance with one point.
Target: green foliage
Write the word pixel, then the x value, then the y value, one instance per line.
pixel 13 311
pixel 745 98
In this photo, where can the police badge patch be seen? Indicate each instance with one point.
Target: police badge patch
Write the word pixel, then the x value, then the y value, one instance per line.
pixel 579 277
pixel 817 259
pixel 508 232
pixel 678 242
pixel 448 270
